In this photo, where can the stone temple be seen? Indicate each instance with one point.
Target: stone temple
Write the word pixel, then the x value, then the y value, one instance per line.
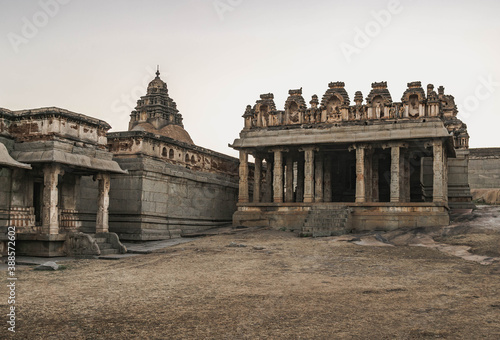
pixel 335 167
pixel 172 187
pixel 72 188
pixel 45 156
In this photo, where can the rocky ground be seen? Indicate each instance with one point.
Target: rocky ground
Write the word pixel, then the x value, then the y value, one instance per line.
pixel 480 230
pixel 263 284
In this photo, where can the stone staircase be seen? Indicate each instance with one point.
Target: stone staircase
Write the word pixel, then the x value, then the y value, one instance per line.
pixel 109 244
pixel 327 221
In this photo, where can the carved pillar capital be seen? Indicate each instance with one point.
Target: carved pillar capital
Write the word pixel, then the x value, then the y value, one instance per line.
pixel 305 148
pixel 358 146
pixel 390 145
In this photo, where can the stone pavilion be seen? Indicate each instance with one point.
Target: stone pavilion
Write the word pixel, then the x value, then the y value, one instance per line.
pixel 334 166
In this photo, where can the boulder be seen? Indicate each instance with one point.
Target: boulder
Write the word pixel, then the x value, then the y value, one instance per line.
pixel 48 266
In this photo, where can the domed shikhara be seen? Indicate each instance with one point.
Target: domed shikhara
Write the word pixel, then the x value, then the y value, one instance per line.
pixel 157 85
pixel 157 113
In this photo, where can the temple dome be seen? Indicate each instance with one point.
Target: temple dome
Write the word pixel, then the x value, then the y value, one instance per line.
pixel 157 85
pixel 157 113
pixel 173 131
pixel 176 132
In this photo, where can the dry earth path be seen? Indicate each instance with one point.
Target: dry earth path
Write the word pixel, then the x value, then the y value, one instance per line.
pixel 291 289
pixel 273 285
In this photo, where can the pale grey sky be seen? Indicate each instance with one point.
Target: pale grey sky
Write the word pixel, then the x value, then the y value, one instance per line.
pixel 217 56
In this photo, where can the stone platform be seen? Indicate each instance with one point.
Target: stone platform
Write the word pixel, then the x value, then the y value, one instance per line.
pixel 362 216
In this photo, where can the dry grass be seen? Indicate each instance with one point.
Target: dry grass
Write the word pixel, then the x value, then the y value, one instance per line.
pixel 293 289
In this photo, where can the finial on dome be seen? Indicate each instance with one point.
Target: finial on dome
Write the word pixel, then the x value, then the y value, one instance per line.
pixel 157 70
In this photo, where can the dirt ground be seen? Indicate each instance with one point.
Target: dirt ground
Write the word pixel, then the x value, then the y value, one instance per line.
pixel 263 284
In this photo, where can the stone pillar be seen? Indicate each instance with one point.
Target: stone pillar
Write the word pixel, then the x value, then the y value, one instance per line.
pixel 368 175
pixel 438 190
pixel 268 188
pixel 300 180
pixel 406 179
pixel 309 174
pixel 243 196
pixel 50 211
pixel 278 176
pixel 395 174
pixel 445 175
pixel 289 178
pixel 257 179
pixel 426 177
pixel 375 178
pixel 104 184
pixel 318 178
pixel 402 175
pixel 327 177
pixel 360 174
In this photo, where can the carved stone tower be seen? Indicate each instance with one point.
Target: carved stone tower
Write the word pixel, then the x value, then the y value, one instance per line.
pixel 157 113
pixel 156 107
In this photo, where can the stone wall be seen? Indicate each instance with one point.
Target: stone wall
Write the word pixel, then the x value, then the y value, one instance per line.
pixel 172 188
pixel 42 123
pixel 159 200
pixel 135 143
pixel 484 168
pixel 459 195
pixel 484 175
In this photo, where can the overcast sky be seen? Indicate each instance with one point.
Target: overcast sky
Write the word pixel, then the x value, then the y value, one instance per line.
pixel 97 57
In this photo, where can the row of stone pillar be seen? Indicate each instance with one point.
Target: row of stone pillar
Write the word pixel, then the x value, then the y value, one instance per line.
pixel 314 175
pixel 50 210
pixel 276 186
pixel 367 175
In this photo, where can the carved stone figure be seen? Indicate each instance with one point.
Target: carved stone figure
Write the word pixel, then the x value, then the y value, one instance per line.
pixel 379 109
pixel 413 109
pixel 392 112
pixel 362 112
pixel 338 114
pixel 401 111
